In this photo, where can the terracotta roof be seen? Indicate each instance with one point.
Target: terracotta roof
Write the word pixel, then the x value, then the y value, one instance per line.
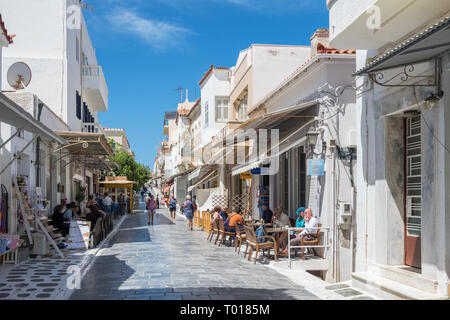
pixel 184 112
pixel 209 72
pixel 5 32
pixel 324 50
pixel 197 103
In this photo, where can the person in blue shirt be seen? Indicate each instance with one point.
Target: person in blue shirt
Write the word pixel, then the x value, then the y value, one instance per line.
pixel 224 214
pixel 68 214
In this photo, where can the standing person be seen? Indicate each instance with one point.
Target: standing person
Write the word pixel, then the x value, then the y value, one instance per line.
pixel 99 201
pixel 157 201
pixel 188 209
pixel 151 208
pixel 122 204
pixel 173 207
pixel 107 203
pixel 142 193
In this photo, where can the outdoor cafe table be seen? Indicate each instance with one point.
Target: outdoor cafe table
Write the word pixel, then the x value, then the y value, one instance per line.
pixel 277 232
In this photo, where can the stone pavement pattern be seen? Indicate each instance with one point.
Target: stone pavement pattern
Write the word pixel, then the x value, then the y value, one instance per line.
pixel 167 262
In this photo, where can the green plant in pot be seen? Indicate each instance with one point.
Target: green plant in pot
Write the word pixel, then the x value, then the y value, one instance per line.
pixel 81 195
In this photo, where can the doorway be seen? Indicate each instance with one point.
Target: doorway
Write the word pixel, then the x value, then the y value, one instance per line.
pixel 413 192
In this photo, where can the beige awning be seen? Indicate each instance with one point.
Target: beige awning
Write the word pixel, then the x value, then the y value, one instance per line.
pixel 85 143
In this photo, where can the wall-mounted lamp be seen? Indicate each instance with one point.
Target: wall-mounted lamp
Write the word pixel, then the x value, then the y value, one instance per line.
pixel 311 139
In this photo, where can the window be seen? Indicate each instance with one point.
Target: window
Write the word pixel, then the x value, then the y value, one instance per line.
pixel 242 110
pixel 78 104
pixel 206 115
pixel 222 109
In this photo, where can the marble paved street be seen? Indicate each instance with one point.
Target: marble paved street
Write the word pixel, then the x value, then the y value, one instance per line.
pixel 167 262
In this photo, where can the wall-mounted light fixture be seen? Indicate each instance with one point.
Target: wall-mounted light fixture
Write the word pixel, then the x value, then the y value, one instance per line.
pixel 311 140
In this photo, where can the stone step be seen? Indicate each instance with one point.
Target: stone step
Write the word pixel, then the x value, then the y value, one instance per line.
pixel 389 289
pixel 409 278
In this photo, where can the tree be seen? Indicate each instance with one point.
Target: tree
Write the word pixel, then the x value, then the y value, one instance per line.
pixel 129 167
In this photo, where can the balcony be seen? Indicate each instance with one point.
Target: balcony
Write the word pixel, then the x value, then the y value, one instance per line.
pixel 166 130
pixel 370 25
pixel 92 127
pixel 95 90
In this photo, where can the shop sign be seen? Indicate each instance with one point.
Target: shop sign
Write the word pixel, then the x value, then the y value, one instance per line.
pixel 245 175
pixel 316 167
pixel 260 172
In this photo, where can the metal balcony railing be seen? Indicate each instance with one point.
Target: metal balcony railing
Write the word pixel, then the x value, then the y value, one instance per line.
pixel 92 127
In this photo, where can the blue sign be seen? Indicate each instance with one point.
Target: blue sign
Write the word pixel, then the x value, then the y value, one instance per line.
pixel 316 167
pixel 260 171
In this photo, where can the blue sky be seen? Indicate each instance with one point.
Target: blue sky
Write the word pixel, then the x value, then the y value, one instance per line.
pixel 148 48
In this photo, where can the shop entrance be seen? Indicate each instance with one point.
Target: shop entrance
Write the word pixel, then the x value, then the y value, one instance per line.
pixel 413 191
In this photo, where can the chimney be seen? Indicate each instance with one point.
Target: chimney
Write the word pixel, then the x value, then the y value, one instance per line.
pixel 320 40
pixel 187 95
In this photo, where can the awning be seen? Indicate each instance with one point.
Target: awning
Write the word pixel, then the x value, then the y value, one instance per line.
pixel 97 163
pixel 424 46
pixel 16 116
pixel 87 144
pixel 199 172
pixel 208 177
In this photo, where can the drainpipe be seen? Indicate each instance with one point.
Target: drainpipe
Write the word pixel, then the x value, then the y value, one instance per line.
pixel 38 149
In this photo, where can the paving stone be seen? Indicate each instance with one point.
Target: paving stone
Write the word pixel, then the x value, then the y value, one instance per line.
pixel 348 292
pixel 4 295
pixel 43 295
pixel 363 298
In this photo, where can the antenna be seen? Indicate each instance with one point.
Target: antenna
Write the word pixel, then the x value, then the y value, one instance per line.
pixel 181 91
pixel 19 75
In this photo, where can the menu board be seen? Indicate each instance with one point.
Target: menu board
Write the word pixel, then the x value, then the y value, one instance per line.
pixel 79 235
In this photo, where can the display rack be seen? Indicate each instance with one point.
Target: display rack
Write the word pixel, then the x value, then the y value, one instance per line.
pixel 33 216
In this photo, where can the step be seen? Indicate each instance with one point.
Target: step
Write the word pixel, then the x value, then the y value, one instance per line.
pixel 388 289
pixel 406 277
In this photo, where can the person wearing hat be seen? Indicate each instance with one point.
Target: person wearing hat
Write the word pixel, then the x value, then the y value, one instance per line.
pixel 300 223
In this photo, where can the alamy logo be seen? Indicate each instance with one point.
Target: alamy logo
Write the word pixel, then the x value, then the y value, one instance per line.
pixel 374 20
pixel 74 280
pixel 73 17
pixel 242 147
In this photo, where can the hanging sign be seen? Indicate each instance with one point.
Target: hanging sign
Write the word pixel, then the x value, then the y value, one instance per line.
pixel 316 167
pixel 245 175
pixel 260 171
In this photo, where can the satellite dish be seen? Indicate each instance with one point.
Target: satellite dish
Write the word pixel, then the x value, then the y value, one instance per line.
pixel 19 75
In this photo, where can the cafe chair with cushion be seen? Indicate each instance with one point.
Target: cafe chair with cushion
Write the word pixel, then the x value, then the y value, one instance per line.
pixel 240 238
pixel 214 230
pixel 312 242
pixel 223 234
pixel 252 241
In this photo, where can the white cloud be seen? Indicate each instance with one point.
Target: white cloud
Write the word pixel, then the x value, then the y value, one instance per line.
pixel 158 34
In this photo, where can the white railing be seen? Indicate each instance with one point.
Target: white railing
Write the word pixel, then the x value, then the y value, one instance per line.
pixel 92 127
pixel 325 245
pixel 95 71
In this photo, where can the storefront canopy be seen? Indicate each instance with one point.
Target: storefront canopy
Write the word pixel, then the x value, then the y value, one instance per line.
pixel 87 144
pixel 16 116
pixel 211 175
pixel 422 47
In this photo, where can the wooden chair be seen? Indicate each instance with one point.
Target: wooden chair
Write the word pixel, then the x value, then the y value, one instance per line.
pixel 214 229
pixel 97 234
pixel 240 238
pixel 223 233
pixel 315 242
pixel 252 241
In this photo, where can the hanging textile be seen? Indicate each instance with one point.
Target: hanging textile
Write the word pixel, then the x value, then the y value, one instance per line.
pixel 1 216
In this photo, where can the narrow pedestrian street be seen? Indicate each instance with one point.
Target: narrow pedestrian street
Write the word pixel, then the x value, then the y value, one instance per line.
pixel 167 262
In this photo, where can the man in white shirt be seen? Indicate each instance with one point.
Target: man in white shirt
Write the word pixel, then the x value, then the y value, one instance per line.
pixel 308 233
pixel 107 203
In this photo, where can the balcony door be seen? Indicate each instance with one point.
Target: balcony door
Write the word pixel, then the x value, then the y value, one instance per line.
pixel 413 192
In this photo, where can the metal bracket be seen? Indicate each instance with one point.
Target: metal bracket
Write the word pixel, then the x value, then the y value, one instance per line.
pixel 405 75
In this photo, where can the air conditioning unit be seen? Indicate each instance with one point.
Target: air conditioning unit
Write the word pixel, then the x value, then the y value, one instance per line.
pixel 41 244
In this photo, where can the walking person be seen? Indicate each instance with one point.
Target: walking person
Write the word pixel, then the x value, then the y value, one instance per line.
pixel 173 207
pixel 122 204
pixel 188 209
pixel 142 194
pixel 107 203
pixel 151 209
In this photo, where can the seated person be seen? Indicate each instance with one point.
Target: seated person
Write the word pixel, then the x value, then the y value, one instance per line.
pixel 93 214
pixel 233 219
pixel 300 223
pixel 216 215
pixel 58 220
pixel 280 219
pixel 77 212
pixel 267 214
pixel 308 233
pixel 224 214
pixel 68 214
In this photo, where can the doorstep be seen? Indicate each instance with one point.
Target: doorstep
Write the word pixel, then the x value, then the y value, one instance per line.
pixel 386 288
